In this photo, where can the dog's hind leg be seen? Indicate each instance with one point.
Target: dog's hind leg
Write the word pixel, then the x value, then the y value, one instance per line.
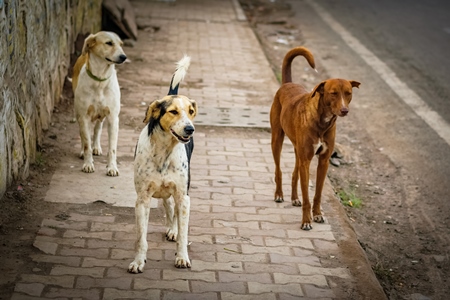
pixel 171 221
pixel 142 211
pixel 82 149
pixel 97 149
pixel 277 145
pixel 182 209
pixel 113 132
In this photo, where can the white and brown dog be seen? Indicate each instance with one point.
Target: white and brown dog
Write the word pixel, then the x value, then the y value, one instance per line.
pixel 162 168
pixel 97 96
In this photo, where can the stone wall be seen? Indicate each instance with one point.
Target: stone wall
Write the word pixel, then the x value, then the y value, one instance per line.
pixel 36 40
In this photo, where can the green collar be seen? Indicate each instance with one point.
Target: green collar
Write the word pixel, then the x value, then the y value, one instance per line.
pixel 95 77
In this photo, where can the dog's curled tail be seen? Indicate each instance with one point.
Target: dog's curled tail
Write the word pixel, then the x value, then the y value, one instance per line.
pixel 286 69
pixel 178 76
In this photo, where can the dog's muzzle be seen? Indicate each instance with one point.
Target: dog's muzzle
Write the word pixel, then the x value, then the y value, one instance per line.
pixel 188 132
pixel 344 111
pixel 120 60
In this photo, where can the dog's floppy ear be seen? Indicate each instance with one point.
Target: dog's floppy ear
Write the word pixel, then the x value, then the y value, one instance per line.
pixel 194 106
pixel 154 112
pixel 148 114
pixel 318 89
pixel 354 83
pixel 89 42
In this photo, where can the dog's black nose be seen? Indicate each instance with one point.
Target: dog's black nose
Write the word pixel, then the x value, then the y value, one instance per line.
pixel 122 58
pixel 344 111
pixel 189 129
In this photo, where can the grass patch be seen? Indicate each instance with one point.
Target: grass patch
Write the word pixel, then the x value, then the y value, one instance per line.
pixel 40 159
pixel 278 76
pixel 382 273
pixel 349 199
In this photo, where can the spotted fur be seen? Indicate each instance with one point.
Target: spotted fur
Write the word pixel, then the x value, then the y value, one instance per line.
pixel 161 170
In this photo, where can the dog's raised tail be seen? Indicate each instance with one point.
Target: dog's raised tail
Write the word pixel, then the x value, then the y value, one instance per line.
pixel 178 76
pixel 286 75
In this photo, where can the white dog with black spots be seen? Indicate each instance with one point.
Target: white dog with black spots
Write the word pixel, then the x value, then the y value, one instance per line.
pixel 162 169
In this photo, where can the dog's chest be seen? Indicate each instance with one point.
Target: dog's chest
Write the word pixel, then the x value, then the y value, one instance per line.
pixel 98 92
pixel 319 146
pixel 161 173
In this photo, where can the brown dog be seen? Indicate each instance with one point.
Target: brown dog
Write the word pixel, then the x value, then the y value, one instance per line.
pixel 309 120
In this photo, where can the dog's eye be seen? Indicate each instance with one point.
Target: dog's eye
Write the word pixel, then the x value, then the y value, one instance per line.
pixel 191 111
pixel 347 93
pixel 174 112
pixel 334 93
pixel 109 43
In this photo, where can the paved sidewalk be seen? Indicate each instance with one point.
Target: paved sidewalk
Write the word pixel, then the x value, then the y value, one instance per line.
pixel 243 245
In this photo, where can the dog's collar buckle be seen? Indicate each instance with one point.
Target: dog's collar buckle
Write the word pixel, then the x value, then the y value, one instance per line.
pixel 95 77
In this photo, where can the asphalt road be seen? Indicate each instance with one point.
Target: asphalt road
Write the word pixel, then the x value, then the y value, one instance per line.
pixel 405 137
pixel 412 37
pixel 410 40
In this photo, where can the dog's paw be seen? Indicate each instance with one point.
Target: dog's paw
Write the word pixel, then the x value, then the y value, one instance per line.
pixel 319 219
pixel 97 150
pixel 296 202
pixel 182 262
pixel 279 199
pixel 112 171
pixel 306 226
pixel 88 168
pixel 137 266
pixel 171 235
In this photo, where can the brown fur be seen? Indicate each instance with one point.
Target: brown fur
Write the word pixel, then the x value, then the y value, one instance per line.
pixel 82 59
pixel 308 119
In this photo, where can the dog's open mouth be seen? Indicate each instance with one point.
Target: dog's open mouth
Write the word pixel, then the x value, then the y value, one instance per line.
pixel 183 139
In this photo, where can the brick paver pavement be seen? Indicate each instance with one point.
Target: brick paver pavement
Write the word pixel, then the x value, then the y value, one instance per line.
pixel 243 245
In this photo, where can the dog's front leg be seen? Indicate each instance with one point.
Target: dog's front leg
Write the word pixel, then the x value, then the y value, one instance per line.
pixel 182 209
pixel 294 184
pixel 97 149
pixel 304 184
pixel 113 131
pixel 171 221
pixel 142 211
pixel 86 150
pixel 322 169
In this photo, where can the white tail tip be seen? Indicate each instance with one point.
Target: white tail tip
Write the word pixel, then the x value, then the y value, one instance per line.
pixel 181 70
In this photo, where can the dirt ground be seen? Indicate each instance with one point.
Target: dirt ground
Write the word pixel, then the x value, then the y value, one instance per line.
pixel 23 207
pixel 399 257
pixel 405 260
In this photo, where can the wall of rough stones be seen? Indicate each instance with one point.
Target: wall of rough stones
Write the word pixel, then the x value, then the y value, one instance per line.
pixel 36 40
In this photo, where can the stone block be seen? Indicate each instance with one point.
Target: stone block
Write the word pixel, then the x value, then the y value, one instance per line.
pixel 33 72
